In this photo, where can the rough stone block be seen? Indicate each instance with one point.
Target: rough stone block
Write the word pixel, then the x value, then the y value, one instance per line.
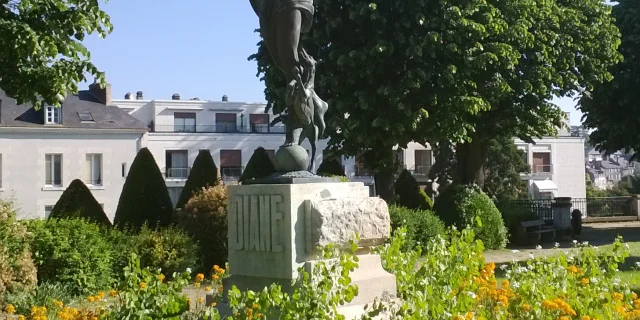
pixel 338 220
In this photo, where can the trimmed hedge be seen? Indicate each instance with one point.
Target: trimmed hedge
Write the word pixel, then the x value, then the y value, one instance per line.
pixel 330 167
pixel 409 194
pixel 421 225
pixel 203 174
pixel 77 201
pixel 259 166
pixel 465 205
pixel 145 197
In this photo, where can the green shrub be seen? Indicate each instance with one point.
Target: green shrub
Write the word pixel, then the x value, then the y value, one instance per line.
pixel 330 167
pixel 464 205
pixel 420 225
pixel 122 243
pixel 204 217
pixel 513 216
pixel 45 295
pixel 17 269
pixel 203 174
pixel 73 252
pixel 78 202
pixel 169 249
pixel 409 194
pixel 259 166
pixel 145 197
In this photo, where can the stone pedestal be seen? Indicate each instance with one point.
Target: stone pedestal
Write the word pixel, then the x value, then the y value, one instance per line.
pixel 275 229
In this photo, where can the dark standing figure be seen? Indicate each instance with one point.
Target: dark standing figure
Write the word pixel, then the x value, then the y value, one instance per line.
pixel 576 222
pixel 281 23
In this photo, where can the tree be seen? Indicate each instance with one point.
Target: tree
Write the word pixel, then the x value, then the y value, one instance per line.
pixel 330 167
pixel 612 109
pixel 409 194
pixel 145 197
pixel 203 174
pixel 464 71
pixel 43 57
pixel 259 166
pixel 78 202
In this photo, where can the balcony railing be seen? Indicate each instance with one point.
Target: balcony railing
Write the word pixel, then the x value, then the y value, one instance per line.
pixel 177 173
pixel 420 170
pixel 231 173
pixel 361 171
pixel 221 128
pixel 542 169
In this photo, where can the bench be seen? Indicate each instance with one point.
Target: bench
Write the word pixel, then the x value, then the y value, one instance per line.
pixel 532 231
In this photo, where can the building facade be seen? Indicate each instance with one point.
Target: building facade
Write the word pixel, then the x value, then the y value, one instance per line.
pixel 556 167
pixel 42 151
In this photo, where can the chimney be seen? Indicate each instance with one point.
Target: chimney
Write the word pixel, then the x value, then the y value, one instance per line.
pixel 102 94
pixel 195 99
pixel 175 96
pixel 128 96
pixel 139 95
pixel 225 98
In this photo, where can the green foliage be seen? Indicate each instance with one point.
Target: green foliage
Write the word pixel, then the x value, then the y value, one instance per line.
pixel 17 269
pixel 504 164
pixel 330 167
pixel 78 202
pixel 611 110
pixel 420 226
pixel 73 252
pixel 467 206
pixel 145 197
pixel 146 296
pixel 512 216
pixel 45 58
pixel 409 194
pixel 45 294
pixel 168 249
pixel 429 71
pixel 204 217
pixel 204 173
pixel 259 166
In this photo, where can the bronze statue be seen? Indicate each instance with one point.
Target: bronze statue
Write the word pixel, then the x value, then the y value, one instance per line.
pixel 281 23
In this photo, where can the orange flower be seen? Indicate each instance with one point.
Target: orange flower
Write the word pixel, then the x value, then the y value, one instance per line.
pixel 91 299
pixel 113 293
pixel 525 307
pixel 160 277
pixel 584 281
pixel 617 296
pixel 199 277
pixel 573 269
pixel 142 285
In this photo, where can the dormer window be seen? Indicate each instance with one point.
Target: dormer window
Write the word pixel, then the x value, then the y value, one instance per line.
pixel 53 115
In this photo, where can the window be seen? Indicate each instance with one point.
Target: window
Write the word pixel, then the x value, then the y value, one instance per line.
pixel 47 211
pixel 423 161
pixel 177 164
pixel 259 122
pixel 93 173
pixel 541 162
pixel 124 169
pixel 53 170
pixel 184 122
pixel 85 116
pixel 231 164
pixel 226 122
pixel 53 115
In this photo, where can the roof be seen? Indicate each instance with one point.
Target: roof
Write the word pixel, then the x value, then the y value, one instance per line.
pixel 75 105
pixel 545 185
pixel 621 163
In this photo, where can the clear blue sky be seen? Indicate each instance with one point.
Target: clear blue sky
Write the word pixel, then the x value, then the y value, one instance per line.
pixel 197 48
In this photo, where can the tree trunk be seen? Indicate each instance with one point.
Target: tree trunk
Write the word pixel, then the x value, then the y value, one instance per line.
pixel 471 157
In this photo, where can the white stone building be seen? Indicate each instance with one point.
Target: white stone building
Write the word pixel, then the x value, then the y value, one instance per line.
pixel 556 167
pixel 231 131
pixel 42 151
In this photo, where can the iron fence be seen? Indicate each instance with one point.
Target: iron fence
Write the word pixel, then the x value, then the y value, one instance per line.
pixel 177 173
pixel 589 207
pixel 221 128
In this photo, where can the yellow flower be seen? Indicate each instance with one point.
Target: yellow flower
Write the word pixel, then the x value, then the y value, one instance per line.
pixel 213 304
pixel 585 318
pixel 617 296
pixel 142 285
pixel 468 316
pixel 197 284
pixel 200 300
pixel 255 306
pixel 458 317
pixel 564 318
pixel 584 281
pixel 91 299
pixel 573 269
pixel 113 293
pixel 160 277
pixel 21 317
pixel 207 288
pixel 100 295
pixel 215 277
pixel 58 303
pixel 10 309
pixel 549 305
pixel 525 307
pixel 505 284
pixel 199 277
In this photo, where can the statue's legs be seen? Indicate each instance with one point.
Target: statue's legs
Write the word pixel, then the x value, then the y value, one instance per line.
pixel 292 135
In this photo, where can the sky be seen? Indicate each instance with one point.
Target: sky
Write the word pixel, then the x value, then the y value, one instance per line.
pixel 198 48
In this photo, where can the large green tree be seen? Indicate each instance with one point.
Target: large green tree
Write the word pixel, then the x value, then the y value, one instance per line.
pixel 463 71
pixel 204 173
pixel 612 110
pixel 42 56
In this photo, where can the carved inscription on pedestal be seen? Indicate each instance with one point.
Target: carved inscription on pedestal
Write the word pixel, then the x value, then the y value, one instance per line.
pixel 256 223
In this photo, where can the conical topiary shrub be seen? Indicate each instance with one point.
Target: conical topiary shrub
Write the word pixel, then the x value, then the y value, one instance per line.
pixel 330 167
pixel 145 197
pixel 408 193
pixel 259 166
pixel 204 173
pixel 78 202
